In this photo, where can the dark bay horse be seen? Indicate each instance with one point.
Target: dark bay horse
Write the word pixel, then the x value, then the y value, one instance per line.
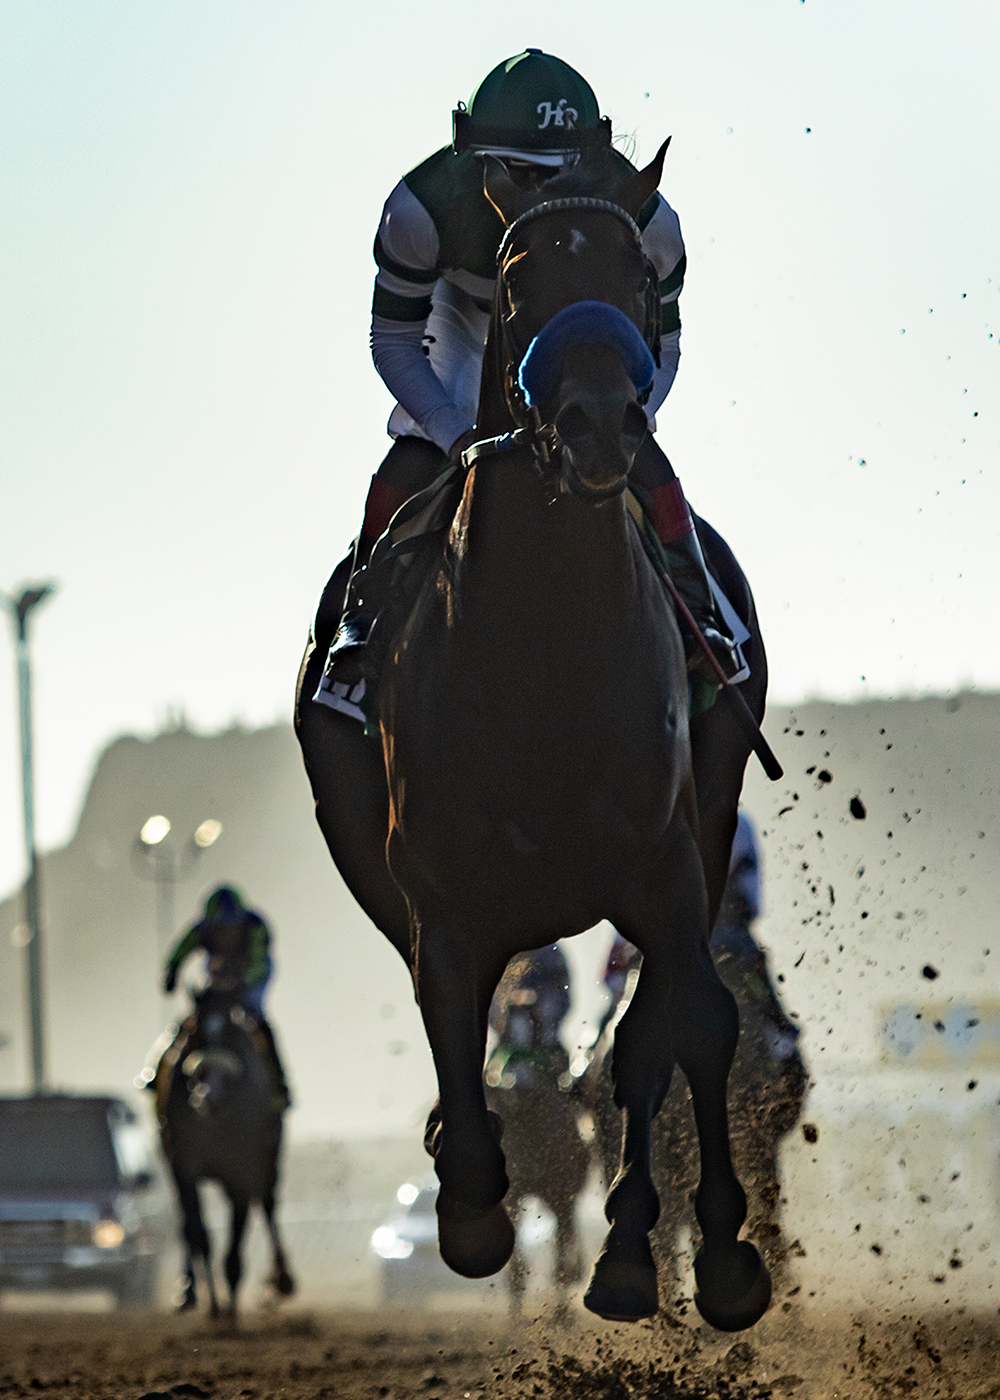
pixel 219 1123
pixel 537 769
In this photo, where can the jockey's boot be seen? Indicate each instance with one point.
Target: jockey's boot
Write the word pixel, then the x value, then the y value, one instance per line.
pixel 364 600
pixel 675 529
pixel 410 465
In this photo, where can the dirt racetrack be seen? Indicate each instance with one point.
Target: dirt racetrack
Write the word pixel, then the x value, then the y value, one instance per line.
pixel 297 1355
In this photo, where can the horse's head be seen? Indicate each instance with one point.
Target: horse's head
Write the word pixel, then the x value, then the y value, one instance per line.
pixel 210 1073
pixel 577 317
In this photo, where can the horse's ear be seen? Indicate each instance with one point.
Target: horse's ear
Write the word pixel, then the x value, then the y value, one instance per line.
pixel 641 185
pixel 507 198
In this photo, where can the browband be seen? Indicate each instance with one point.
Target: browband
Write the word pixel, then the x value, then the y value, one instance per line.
pixel 554 206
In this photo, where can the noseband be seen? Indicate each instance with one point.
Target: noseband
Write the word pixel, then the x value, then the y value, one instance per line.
pixel 529 372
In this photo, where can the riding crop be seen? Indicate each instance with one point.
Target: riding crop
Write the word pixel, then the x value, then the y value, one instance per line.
pixel 751 728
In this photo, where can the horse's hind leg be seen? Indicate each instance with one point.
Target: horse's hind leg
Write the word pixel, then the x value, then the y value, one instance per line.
pixel 475 1236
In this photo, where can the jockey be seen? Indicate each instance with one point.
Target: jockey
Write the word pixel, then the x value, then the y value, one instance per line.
pixel 436 250
pixel 526 1016
pixel 237 943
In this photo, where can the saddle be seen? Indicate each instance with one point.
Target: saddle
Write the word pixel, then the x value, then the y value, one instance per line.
pixel 381 592
pixel 379 595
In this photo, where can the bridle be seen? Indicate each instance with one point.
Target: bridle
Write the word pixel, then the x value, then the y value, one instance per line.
pixel 540 437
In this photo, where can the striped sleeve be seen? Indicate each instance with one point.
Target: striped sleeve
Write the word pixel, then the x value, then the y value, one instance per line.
pixel 664 246
pixel 187 944
pixel 407 249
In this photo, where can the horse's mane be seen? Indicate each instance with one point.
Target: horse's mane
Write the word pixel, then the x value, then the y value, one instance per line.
pixel 598 173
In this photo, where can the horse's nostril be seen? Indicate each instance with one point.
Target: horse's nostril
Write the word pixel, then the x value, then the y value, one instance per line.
pixel 573 424
pixel 634 426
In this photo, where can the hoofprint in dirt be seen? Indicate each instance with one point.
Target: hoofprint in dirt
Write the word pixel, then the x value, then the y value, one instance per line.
pixel 450 1356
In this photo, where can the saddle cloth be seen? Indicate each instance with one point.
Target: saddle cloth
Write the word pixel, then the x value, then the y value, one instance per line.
pixel 170 1051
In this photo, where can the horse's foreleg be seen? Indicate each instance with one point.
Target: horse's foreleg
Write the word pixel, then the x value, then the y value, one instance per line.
pixel 624 1287
pixel 680 1010
pixel 234 1254
pixel 454 988
pixel 281 1280
pixel 197 1245
pixel 188 1295
pixel 733 1285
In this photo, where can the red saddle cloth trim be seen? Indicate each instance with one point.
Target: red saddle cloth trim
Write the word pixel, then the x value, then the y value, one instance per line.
pixel 670 513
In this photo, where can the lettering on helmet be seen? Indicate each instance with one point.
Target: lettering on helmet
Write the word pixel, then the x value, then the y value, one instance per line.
pixel 559 115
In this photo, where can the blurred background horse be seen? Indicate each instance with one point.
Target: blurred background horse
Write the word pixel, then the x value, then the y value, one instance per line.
pixel 219 1122
pixel 529 1086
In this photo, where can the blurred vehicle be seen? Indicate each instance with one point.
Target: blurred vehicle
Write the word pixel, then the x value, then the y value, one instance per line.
pixel 80 1206
pixel 406 1242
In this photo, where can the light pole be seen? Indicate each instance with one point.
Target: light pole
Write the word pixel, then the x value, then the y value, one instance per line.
pixel 159 860
pixel 20 608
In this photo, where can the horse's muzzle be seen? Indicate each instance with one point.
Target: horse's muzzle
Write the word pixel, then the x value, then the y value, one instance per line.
pixel 597 444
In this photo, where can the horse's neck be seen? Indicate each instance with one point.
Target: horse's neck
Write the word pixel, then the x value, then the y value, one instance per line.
pixel 560 559
pixel 554 554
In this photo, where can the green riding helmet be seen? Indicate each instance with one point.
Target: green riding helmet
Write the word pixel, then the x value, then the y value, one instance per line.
pixel 224 906
pixel 532 106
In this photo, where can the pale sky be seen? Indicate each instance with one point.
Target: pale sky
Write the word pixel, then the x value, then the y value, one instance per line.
pixel 189 416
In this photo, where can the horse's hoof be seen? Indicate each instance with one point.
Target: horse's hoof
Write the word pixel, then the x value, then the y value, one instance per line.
pixel 283 1283
pixel 186 1303
pixel 734 1287
pixel 473 1242
pixel 622 1291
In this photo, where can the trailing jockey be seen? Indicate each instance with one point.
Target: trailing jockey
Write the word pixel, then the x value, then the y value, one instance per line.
pixel 237 943
pixel 526 1016
pixel 436 250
